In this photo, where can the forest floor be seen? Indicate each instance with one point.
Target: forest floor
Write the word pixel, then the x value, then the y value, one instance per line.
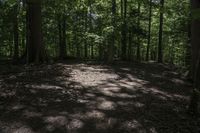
pixel 73 97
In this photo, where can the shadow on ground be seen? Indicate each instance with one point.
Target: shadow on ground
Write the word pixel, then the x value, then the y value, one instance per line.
pixel 91 98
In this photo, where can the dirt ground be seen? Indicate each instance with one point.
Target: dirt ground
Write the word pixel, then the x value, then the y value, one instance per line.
pixel 94 98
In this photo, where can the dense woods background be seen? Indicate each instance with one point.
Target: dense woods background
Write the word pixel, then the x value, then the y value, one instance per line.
pixel 134 31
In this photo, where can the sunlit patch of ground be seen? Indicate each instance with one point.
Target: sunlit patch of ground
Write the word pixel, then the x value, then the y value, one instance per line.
pixel 83 98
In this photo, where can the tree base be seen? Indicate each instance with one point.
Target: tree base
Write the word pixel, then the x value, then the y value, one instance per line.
pixel 194 103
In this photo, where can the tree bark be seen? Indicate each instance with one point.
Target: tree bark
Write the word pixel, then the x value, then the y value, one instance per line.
pixel 64 36
pixel 160 47
pixel 90 28
pixel 16 34
pixel 149 30
pixel 35 52
pixel 112 44
pixel 138 37
pixel 195 42
pixel 85 41
pixel 124 29
pixel 60 38
pixel 130 44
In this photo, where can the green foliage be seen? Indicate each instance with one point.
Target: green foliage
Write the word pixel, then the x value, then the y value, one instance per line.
pixel 89 25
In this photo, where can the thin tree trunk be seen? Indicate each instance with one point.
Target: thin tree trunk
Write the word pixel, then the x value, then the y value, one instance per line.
pixel 76 42
pixel 92 51
pixel 16 33
pixel 149 30
pixel 85 42
pixel 160 47
pixel 64 36
pixel 90 27
pixel 23 50
pixel 124 30
pixel 138 37
pixel 60 38
pixel 188 49
pixel 112 44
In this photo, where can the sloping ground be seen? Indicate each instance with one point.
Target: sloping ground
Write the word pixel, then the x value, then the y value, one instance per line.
pixel 89 98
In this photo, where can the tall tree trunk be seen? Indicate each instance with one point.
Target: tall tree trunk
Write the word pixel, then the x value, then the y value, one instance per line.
pixel 23 50
pixel 188 54
pixel 75 37
pixel 16 33
pixel 60 38
pixel 85 42
pixel 138 37
pixel 92 51
pixel 130 44
pixel 160 47
pixel 149 30
pixel 112 44
pixel 124 29
pixel 122 8
pixel 90 27
pixel 64 36
pixel 34 25
pixel 195 42
pixel 100 52
pixel 25 56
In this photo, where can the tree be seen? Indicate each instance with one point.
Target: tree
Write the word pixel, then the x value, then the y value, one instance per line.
pixel 15 33
pixel 138 37
pixel 195 41
pixel 112 44
pixel 61 56
pixel 62 36
pixel 160 49
pixel 85 31
pixel 35 49
pixel 124 29
pixel 149 30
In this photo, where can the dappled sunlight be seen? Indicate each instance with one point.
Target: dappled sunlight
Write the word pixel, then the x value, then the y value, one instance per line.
pixel 95 114
pixel 56 120
pixel 177 81
pixel 109 91
pixel 91 95
pixel 75 124
pixel 17 127
pixel 138 104
pixel 132 125
pixel 18 107
pixel 124 95
pixel 92 98
pixel 23 130
pixel 87 79
pixel 162 94
pixel 45 87
pixel 106 105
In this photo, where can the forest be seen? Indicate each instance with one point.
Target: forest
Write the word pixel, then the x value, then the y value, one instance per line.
pixel 99 66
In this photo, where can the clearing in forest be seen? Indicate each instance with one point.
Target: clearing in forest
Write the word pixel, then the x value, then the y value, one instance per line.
pixel 94 98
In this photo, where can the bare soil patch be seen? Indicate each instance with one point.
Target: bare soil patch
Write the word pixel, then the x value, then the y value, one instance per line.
pixel 94 98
